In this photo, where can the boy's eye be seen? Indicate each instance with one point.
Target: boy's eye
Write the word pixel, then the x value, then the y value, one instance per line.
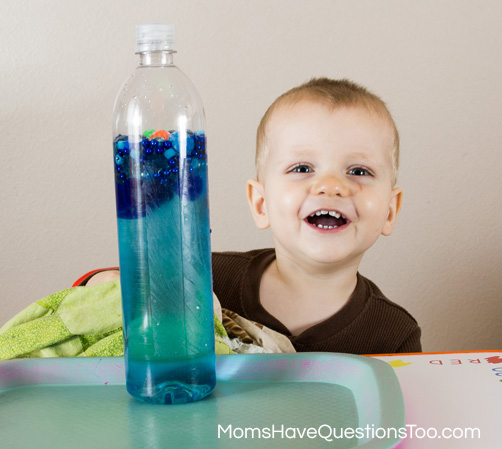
pixel 359 171
pixel 301 168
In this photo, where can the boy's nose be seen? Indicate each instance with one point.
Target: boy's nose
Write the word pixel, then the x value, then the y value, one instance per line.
pixel 331 186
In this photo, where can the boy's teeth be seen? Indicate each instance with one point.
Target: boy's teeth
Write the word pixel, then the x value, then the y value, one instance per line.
pixel 325 212
pixel 325 227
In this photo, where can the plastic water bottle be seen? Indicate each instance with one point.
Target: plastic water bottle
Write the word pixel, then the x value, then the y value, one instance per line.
pixel 161 190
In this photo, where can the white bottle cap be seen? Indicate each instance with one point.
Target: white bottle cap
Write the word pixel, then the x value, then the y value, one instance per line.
pixel 155 37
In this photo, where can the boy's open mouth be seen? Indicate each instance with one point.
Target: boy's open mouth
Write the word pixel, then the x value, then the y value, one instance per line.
pixel 325 219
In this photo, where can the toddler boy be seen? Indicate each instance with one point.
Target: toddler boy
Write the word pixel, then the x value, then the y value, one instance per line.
pixel 327 157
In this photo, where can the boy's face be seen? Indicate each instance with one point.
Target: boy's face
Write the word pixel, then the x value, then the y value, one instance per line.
pixel 321 160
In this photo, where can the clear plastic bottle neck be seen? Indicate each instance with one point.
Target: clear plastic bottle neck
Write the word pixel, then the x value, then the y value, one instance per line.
pixel 156 58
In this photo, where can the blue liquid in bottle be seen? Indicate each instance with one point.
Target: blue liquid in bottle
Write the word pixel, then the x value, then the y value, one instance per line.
pixel 163 229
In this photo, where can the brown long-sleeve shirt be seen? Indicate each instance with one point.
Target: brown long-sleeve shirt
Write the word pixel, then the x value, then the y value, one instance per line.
pixel 367 324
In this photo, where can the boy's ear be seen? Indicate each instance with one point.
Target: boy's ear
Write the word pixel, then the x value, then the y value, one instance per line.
pixel 394 208
pixel 256 200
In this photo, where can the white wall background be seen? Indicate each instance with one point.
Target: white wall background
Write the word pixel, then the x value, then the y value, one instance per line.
pixel 437 64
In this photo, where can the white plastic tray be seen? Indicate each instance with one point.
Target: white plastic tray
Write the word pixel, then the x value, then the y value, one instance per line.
pixel 260 401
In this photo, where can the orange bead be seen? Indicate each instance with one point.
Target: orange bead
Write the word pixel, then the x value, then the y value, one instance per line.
pixel 160 133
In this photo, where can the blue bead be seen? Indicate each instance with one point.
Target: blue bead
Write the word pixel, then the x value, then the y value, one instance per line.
pixel 119 160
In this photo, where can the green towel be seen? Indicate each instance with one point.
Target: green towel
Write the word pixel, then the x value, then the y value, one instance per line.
pixel 76 322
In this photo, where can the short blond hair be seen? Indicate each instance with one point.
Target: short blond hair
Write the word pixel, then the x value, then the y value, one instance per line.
pixel 336 94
